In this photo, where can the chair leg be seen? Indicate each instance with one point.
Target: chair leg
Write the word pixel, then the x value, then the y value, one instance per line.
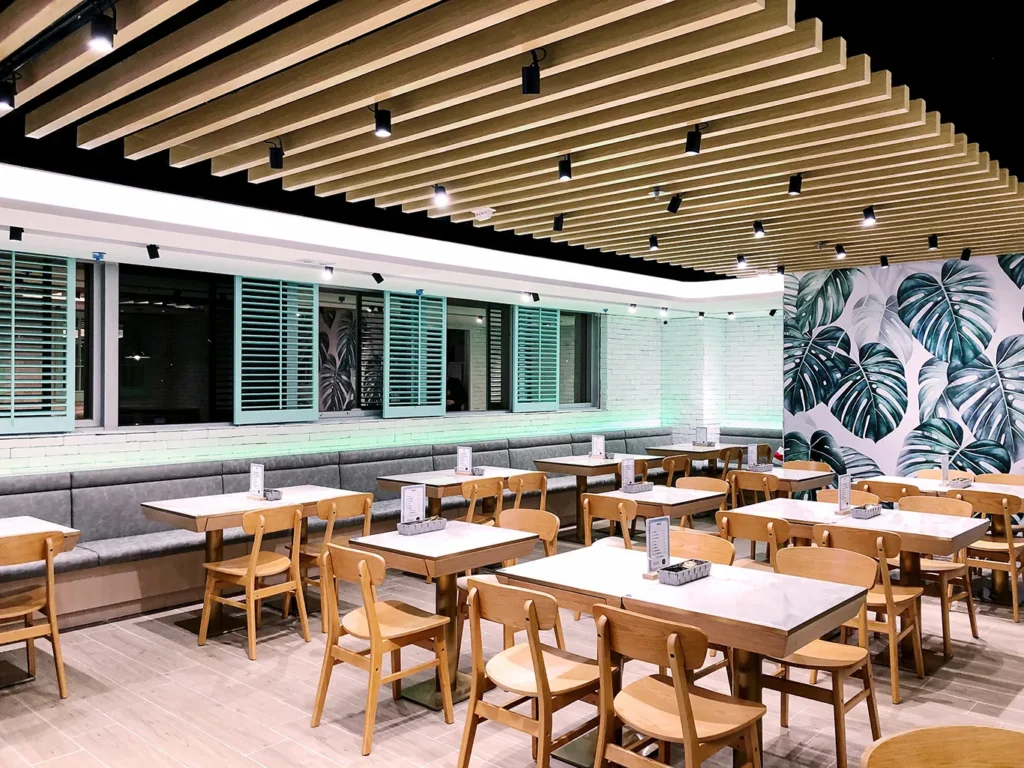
pixel 250 622
pixel 839 716
pixel 947 644
pixel 753 746
pixel 321 691
pixel 371 703
pixel 469 732
pixel 916 636
pixel 30 649
pixel 632 528
pixel 894 661
pixel 441 650
pixel 396 666
pixel 784 701
pixel 869 684
pixel 300 604
pixel 814 677
pixel 544 742
pixel 204 622
pixel 323 611
pixel 970 605
pixel 1013 589
pixel 259 607
pixel 534 741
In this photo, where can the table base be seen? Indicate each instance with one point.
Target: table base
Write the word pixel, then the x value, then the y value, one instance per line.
pixel 426 694
pixel 581 751
pixel 996 590
pixel 933 661
pixel 219 625
pixel 12 675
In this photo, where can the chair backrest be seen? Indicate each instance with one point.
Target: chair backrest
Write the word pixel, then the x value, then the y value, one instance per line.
pixel 936 505
pixel 728 456
pixel 355 567
pixel 876 544
pixel 483 488
pixel 344 508
pixel 31 547
pixel 757 482
pixel 991 504
pixel 676 465
pixel 764 453
pixel 685 544
pixel 811 466
pixel 936 474
pixel 644 638
pixel 639 467
pixel 527 482
pixel 712 484
pixel 733 524
pixel 506 605
pixel 857 498
pixel 948 746
pixel 828 564
pixel 260 522
pixel 537 521
pixel 887 491
pixel 1000 479
pixel 621 511
pixel 344 564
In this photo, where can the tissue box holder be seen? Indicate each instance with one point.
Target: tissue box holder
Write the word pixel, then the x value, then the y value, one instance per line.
pixel 637 487
pixel 422 526
pixel 866 512
pixel 684 572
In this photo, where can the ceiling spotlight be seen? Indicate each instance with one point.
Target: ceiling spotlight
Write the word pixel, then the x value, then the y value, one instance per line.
pixel 965 254
pixel 674 203
pixel 632 309
pixel 7 94
pixel 565 168
pixel 771 312
pixel 153 251
pixel 559 222
pixel 276 153
pixel 781 269
pixel 440 196
pixel 741 262
pixel 652 242
pixel 796 184
pixel 693 142
pixel 732 315
pixel 700 315
pixel 378 278
pixel 933 242
pixel 535 297
pixel 664 312
pixel 328 273
pixel 381 122
pixel 840 252
pixel 479 319
pixel 531 75
pixel 869 217
pixel 883 261
pixel 17 233
pixel 101 35
pixel 758 229
pixel 655 192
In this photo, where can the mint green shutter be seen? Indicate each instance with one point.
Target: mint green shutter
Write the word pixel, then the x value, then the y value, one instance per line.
pixel 414 355
pixel 275 351
pixel 535 359
pixel 37 336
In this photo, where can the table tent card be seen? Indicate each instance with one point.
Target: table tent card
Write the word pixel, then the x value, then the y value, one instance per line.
pixel 844 494
pixel 256 480
pixel 627 469
pixel 464 460
pixel 701 436
pixel 597 446
pixel 657 542
pixel 414 503
pixel 752 454
pixel 945 468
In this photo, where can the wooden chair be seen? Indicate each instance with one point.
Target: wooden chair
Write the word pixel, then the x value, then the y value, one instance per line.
pixel 388 625
pixel 774 531
pixel 712 484
pixel 527 482
pixel 888 492
pixel 684 543
pixel 811 466
pixel 639 467
pixel 665 709
pixel 621 511
pixel 676 465
pixel 332 510
pixel 947 746
pixel 1000 479
pixel 841 661
pixel 857 498
pixel 19 607
pixel 548 677
pixel 484 490
pixel 250 571
pixel 952 576
pixel 765 454
pixel 741 481
pixel 884 599
pixel 936 474
pixel 1000 550
pixel 727 456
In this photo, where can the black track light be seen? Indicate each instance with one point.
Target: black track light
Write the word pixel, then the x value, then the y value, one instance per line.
pixel 653 242
pixel 378 278
pixel 535 297
pixel 771 312
pixel 732 315
pixel 758 229
pixel 883 262
pixel 664 312
pixel 153 251
pixel 17 233
pixel 565 168
pixel 840 252
pixel 965 254
pixel 101 34
pixel 674 203
pixel 781 269
pixel 796 184
pixel 869 219
pixel 440 196
pixel 531 75
pixel 559 222
pixel 7 94
pixel 632 309
pixel 693 142
pixel 381 122
pixel 741 262
pixel 328 273
pixel 700 315
pixel 933 242
pixel 276 153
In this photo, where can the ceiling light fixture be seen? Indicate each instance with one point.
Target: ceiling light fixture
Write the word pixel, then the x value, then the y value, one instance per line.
pixel 741 262
pixel 7 93
pixel 328 272
pixel 674 203
pixel 732 315
pixel 381 122
pixel 16 233
pixel 933 242
pixel 796 184
pixel 378 278
pixel 883 262
pixel 526 297
pixel 632 309
pixel 652 243
pixel 758 229
pixel 693 141
pixel 565 168
pixel 781 269
pixel 700 315
pixel 535 297
pixel 840 252
pixel 664 312
pixel 276 153
pixel 153 251
pixel 531 74
pixel 559 222
pixel 869 217
pixel 440 196
pixel 101 34
pixel 479 319
pixel 771 312
pixel 965 254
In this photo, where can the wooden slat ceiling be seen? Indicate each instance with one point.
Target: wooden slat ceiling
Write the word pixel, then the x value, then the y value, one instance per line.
pixel 623 82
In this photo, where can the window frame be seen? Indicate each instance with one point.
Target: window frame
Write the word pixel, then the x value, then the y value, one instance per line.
pixel 357 412
pixel 592 364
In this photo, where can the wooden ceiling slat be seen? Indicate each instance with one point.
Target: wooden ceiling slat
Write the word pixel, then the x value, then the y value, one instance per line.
pixel 22 20
pixel 203 37
pixel 498 50
pixel 425 31
pixel 331 27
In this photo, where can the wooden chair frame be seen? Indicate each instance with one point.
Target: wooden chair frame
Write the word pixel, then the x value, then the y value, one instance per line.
pixel 857 498
pixel 757 482
pixel 257 524
pixel 704 484
pixel 25 603
pixel 368 571
pixel 676 465
pixel 810 466
pixel 530 481
pixel 936 474
pixel 479 489
pixel 963 746
pixel 773 531
pixel 1000 479
pixel 888 493
pixel 621 511
pixel 726 456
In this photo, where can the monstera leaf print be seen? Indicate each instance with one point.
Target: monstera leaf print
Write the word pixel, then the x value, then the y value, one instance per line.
pixel 336 391
pixel 795 447
pixel 791 286
pixel 953 316
pixel 931 391
pixel 871 397
pixel 823 447
pixel 822 295
pixel 324 346
pixel 812 365
pixel 991 397
pixel 926 444
pixel 877 319
pixel 859 466
pixel 1013 265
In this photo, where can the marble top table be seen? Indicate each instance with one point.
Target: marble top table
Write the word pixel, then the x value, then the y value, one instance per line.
pixel 443 482
pixel 674 502
pixel 692 450
pixel 19 526
pixel 585 466
pixel 793 480
pixel 443 555
pixel 934 486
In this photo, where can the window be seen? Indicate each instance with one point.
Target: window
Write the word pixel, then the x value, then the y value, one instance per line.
pixel 576 358
pixel 176 349
pixel 84 304
pixel 477 349
pixel 351 350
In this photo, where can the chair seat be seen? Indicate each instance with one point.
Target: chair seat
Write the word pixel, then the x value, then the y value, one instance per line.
pixel 754 565
pixel 821 654
pixel 267 564
pixel 900 596
pixel 396 619
pixel 610 541
pixel 14 605
pixel 649 706
pixel 463 581
pixel 990 544
pixel 931 567
pixel 315 550
pixel 512 669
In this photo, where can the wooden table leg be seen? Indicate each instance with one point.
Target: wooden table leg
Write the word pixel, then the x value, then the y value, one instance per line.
pixel 220 623
pixel 746 684
pixel 434 506
pixel 910 576
pixel 581 488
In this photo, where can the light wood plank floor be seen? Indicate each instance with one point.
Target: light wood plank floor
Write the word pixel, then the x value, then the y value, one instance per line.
pixel 144 694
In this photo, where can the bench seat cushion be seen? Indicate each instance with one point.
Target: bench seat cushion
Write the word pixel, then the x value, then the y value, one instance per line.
pixel 128 549
pixel 75 560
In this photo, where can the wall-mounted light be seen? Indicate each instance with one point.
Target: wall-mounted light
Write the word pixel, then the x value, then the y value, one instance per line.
pixel 479 319
pixel 664 312
pixel 771 312
pixel 632 309
pixel 16 233
pixel 328 273
pixel 700 315
pixel 732 315
pixel 153 251
pixel 378 278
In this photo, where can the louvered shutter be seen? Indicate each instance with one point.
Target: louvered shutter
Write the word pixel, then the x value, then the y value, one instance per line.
pixel 535 359
pixel 275 351
pixel 36 344
pixel 414 355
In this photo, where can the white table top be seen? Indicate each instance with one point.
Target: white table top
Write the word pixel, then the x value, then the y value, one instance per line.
pixel 920 531
pixel 441 478
pixel 760 611
pixel 456 538
pixel 692 448
pixel 589 462
pixel 664 496
pixel 799 475
pixel 934 486
pixel 18 526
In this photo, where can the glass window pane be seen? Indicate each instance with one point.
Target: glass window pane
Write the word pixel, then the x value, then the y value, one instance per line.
pixel 351 350
pixel 477 370
pixel 84 299
pixel 574 372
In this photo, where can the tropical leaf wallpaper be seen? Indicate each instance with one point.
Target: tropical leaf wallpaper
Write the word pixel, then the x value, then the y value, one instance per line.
pixel 338 341
pixel 885 370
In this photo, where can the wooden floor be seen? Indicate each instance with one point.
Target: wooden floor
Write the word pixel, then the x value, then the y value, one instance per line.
pixel 144 694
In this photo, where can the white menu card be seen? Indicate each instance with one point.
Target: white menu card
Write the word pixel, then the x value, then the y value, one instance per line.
pixel 256 480
pixel 752 454
pixel 657 542
pixel 844 493
pixel 628 470
pixel 414 501
pixel 597 446
pixel 945 468
pixel 701 436
pixel 464 460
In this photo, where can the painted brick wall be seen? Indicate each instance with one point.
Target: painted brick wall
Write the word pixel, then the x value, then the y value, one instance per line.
pixel 752 352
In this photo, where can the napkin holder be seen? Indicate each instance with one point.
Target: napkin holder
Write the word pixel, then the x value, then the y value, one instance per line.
pixel 759 467
pixel 637 487
pixel 866 512
pixel 960 482
pixel 271 494
pixel 422 526
pixel 705 444
pixel 684 572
